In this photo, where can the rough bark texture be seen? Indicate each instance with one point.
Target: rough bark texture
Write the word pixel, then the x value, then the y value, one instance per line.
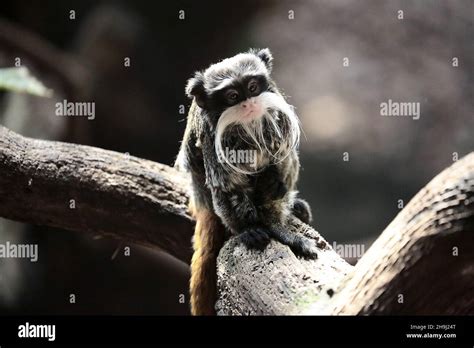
pixel 423 263
pixel 86 189
pixel 276 282
pixel 426 254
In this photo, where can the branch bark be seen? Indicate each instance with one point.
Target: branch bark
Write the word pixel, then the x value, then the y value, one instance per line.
pixel 86 189
pixel 425 254
pixel 275 281
pixel 423 263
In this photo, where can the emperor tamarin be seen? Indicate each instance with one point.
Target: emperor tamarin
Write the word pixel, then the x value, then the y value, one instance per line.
pixel 241 148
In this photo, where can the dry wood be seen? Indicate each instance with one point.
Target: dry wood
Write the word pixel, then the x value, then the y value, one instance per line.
pixel 422 263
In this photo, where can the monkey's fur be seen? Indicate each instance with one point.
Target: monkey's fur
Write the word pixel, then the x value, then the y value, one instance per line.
pixel 237 106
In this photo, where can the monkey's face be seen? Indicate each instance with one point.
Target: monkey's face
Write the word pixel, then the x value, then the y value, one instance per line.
pixel 234 83
pixel 241 97
pixel 238 96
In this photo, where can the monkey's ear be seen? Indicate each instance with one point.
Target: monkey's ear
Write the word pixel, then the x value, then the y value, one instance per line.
pixel 195 89
pixel 266 56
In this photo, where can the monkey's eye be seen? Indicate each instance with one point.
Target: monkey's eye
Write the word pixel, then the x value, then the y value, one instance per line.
pixel 254 87
pixel 231 96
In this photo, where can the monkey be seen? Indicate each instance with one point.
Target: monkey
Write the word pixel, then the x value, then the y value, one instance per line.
pixel 236 106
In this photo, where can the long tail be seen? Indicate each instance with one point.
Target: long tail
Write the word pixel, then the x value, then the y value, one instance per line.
pixel 209 236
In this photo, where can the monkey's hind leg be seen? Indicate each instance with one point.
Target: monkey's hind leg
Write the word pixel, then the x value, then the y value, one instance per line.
pixel 209 236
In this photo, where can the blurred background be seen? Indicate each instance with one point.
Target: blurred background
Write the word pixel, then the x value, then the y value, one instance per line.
pixel 336 60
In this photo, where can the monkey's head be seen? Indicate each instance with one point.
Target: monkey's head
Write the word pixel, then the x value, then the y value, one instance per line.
pixel 238 96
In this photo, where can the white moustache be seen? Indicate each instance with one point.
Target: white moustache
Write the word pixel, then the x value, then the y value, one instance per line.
pixel 271 104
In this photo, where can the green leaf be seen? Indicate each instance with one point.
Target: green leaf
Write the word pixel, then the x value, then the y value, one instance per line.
pixel 20 80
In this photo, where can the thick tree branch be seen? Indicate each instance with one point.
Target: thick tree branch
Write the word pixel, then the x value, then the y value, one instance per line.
pixel 425 254
pixel 276 282
pixel 423 263
pixel 86 189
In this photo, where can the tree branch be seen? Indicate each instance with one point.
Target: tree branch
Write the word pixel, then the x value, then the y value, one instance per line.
pixel 86 189
pixel 425 254
pixel 275 281
pixel 421 264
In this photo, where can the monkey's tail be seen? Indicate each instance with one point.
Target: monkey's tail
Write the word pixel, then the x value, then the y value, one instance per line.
pixel 209 236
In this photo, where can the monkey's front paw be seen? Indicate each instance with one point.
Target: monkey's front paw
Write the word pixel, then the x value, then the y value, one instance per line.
pixel 300 245
pixel 255 238
pixel 305 247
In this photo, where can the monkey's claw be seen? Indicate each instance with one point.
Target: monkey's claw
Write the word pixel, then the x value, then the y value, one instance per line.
pixel 255 238
pixel 305 247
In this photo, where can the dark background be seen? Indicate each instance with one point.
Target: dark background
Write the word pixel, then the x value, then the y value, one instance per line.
pixel 138 111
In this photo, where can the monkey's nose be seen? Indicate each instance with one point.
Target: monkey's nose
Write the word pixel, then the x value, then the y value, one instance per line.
pixel 248 103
